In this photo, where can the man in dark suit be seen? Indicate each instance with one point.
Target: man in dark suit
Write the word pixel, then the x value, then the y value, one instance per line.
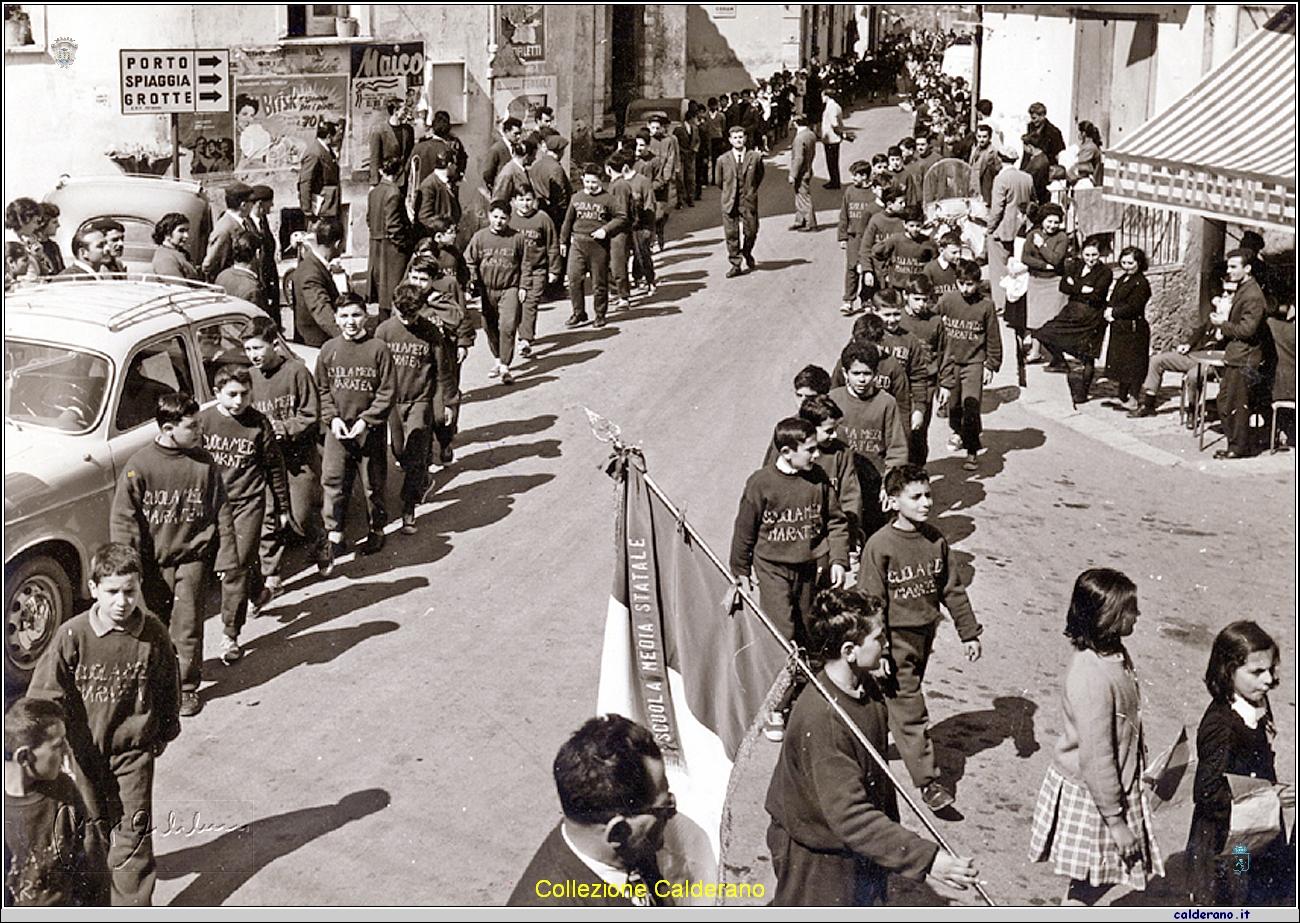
pixel 1244 334
pixel 314 292
pixel 393 140
pixel 390 237
pixel 740 173
pixel 318 173
pixel 268 274
pixel 802 151
pixel 614 794
pixel 434 197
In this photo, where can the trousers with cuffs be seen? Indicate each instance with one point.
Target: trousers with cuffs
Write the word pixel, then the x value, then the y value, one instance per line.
pixel 909 718
pixel 339 469
pixel 964 406
pixel 177 596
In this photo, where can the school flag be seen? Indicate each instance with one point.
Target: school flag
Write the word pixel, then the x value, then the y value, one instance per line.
pixel 678 662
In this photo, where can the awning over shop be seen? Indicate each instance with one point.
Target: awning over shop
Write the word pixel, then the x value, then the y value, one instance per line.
pixel 1227 149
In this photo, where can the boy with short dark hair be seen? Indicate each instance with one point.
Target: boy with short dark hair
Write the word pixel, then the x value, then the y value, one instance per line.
pixel 495 256
pixel 899 255
pixel 49 844
pixel 920 320
pixel 883 224
pixel 872 426
pixel 242 443
pixel 972 354
pixel 856 208
pixel 593 218
pixel 810 380
pixel 171 506
pixel 285 392
pixel 541 267
pixel 419 380
pixel 908 565
pixel 942 270
pixel 835 835
pixel 789 518
pixel 355 374
pixel 114 672
pixel 907 350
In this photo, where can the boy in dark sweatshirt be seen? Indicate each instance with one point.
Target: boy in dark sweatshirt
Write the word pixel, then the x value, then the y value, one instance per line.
pixel 541 261
pixel 171 506
pixel 419 381
pixel 354 372
pixel 114 672
pixel 242 442
pixel 444 307
pixel 788 523
pixel 908 564
pixel 52 854
pixel 942 270
pixel 872 426
pixel 620 242
pixel 972 354
pixel 285 392
pixel 920 320
pixel 593 218
pixel 835 834
pixel 856 208
pixel 908 350
pixel 495 257
pixel 881 225
pixel 899 255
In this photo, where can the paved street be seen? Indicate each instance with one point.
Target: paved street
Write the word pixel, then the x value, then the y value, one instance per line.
pixel 389 735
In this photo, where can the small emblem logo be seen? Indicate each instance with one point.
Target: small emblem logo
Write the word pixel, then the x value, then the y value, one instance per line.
pixel 64 51
pixel 1241 856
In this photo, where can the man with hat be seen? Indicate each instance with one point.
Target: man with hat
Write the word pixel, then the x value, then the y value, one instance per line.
pixel 259 225
pixel 549 179
pixel 231 222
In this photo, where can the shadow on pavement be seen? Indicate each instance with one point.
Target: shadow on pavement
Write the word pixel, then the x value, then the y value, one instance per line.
pixel 494 432
pixel 960 737
pixel 225 864
pixel 277 652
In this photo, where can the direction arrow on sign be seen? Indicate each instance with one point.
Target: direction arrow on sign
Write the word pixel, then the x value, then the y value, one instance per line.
pixel 213 70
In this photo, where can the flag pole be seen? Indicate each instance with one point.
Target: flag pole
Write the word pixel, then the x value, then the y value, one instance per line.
pixel 790 649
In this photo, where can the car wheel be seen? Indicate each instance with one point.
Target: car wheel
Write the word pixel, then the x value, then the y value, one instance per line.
pixel 38 598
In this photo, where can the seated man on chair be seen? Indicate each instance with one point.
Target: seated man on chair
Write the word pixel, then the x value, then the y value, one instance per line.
pixel 1206 336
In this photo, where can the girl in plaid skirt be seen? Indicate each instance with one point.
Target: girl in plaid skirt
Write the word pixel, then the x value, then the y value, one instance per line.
pixel 1092 819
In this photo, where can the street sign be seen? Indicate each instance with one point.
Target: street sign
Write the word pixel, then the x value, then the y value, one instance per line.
pixel 174 80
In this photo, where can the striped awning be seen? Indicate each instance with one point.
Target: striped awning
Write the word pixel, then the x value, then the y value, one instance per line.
pixel 1227 149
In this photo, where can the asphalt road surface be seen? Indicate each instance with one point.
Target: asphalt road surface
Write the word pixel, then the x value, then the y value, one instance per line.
pixel 388 737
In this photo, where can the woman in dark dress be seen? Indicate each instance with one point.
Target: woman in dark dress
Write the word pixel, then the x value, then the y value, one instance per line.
pixel 1130 335
pixel 1080 327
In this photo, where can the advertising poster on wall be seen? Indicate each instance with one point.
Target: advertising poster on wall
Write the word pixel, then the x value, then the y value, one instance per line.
pixel 379 73
pixel 276 116
pixel 521 97
pixel 208 137
pixel 523 26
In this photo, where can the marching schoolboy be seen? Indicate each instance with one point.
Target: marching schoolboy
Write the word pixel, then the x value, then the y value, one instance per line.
pixel 972 354
pixel 354 373
pixel 419 381
pixel 50 847
pixel 883 224
pixel 495 256
pixel 242 443
pixel 835 834
pixel 593 217
pixel 541 268
pixel 911 353
pixel 789 518
pixel 899 255
pixel 856 208
pixel 285 392
pixel 114 672
pixel 908 564
pixel 920 320
pixel 170 505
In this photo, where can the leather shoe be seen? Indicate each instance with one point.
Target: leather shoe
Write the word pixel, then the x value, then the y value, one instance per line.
pixel 796 227
pixel 575 320
pixel 1229 453
pixel 749 261
pixel 734 271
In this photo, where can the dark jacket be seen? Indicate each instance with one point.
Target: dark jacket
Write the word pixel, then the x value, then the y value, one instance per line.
pixel 740 185
pixel 318 175
pixel 1244 329
pixel 314 298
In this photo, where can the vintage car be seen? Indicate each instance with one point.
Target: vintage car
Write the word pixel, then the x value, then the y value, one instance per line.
pixel 85 362
pixel 136 201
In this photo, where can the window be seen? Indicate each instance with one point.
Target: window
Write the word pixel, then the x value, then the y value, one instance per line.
pixel 221 343
pixel 446 89
pixel 137 244
pixel 53 385
pixel 319 20
pixel 157 369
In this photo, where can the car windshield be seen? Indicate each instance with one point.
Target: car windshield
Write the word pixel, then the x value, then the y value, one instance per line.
pixel 53 386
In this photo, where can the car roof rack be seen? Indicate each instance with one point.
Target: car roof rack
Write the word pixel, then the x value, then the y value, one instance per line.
pixel 189 293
